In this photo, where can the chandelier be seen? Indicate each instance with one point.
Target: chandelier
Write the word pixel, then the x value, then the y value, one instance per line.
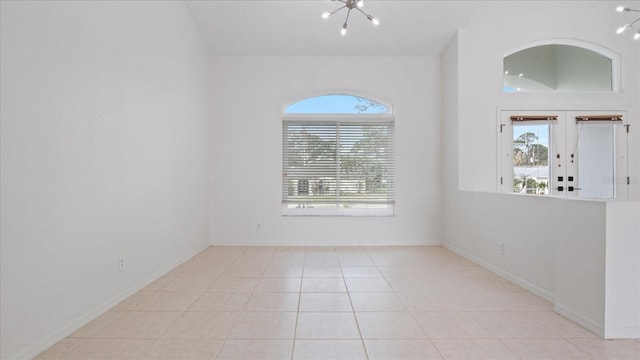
pixel 628 26
pixel 350 5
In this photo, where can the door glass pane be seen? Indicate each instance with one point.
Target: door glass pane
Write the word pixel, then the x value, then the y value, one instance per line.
pixel 596 167
pixel 531 159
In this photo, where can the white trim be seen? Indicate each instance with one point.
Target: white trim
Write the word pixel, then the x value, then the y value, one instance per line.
pixel 625 111
pixel 565 41
pixel 72 326
pixel 339 119
pixel 613 56
pixel 540 108
pixel 502 273
pixel 389 211
pixel 331 244
pixel 629 332
pixel 585 322
pixel 499 157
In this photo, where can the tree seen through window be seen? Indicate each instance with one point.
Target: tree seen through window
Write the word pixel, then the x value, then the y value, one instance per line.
pixel 341 163
pixel 531 159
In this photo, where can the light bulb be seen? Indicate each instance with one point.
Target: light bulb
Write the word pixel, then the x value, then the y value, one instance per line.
pixel 360 3
pixel 636 36
pixel 521 75
pixel 375 21
pixel 623 29
pixel 343 32
pixel 620 9
pixel 326 14
pixel 506 72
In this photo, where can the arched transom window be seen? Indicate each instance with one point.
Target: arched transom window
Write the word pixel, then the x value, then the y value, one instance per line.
pixel 568 66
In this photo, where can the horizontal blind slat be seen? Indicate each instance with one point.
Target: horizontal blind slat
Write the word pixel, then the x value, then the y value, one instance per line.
pixel 338 162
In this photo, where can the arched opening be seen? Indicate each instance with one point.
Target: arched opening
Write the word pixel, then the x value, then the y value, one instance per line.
pixel 561 66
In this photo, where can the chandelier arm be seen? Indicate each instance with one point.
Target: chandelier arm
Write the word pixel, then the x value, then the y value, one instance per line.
pixel 338 9
pixel 363 13
pixel 350 5
pixel 633 22
pixel 347 18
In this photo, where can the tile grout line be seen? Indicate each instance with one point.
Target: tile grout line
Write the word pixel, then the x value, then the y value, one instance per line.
pixel 243 310
pixel 395 291
pixel 226 339
pixel 295 326
pixel 511 342
pixel 353 311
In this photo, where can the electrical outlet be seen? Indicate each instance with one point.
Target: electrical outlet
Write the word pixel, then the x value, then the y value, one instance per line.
pixel 501 248
pixel 121 263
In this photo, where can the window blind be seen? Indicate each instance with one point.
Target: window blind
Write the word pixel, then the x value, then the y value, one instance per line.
pixel 599 118
pixel 534 118
pixel 338 163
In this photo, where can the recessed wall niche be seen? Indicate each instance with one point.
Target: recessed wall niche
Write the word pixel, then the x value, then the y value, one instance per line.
pixel 558 68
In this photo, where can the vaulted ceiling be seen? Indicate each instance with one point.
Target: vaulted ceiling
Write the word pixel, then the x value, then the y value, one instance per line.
pixel 295 27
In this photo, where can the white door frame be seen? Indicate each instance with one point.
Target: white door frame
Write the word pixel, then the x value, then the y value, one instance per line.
pixel 560 163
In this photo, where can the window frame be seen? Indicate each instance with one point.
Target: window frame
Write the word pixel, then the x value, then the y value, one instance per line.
pixel 339 118
pixel 563 141
pixel 615 58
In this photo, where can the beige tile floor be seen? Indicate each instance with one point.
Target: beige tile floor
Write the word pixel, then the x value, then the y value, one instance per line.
pixel 329 303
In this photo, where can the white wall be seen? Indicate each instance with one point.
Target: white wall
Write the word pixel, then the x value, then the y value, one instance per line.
pixel 247 99
pixel 598 275
pixel 450 112
pixel 499 27
pixel 585 263
pixel 529 237
pixel 545 238
pixel 622 311
pixel 481 45
pixel 580 242
pixel 103 155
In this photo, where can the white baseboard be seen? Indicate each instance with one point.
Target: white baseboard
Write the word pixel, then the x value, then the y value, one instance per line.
pixel 46 342
pixel 545 294
pixel 585 322
pixel 297 244
pixel 629 332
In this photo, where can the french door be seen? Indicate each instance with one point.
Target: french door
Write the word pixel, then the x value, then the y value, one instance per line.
pixel 564 153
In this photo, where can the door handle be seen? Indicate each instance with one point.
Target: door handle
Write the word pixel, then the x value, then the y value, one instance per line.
pixel 571 188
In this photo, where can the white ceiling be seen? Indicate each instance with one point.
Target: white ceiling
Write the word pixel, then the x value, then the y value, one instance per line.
pixel 295 28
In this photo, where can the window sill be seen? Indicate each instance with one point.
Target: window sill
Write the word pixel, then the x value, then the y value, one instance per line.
pixel 388 212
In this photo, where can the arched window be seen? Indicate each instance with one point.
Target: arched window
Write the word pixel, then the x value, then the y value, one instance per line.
pixel 338 156
pixel 560 66
pixel 337 104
